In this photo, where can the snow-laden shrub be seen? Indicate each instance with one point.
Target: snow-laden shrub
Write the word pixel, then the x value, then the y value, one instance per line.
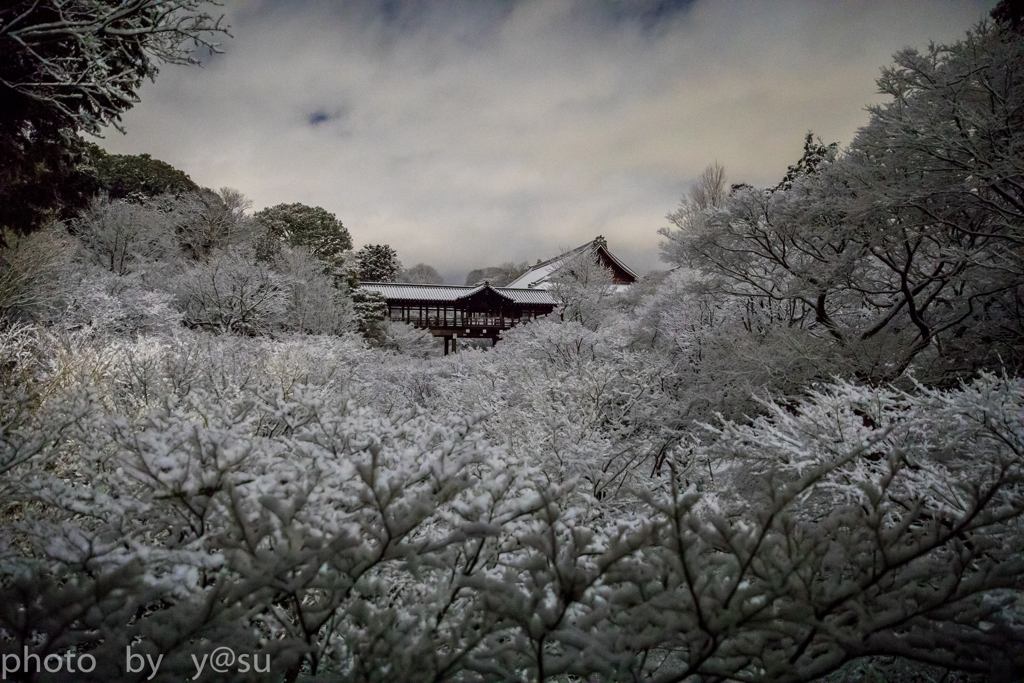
pixel 233 493
pixel 355 547
pixel 115 306
pixel 119 235
pixel 232 292
pixel 146 370
pixel 315 305
pixel 407 340
pixel 205 221
pixel 30 268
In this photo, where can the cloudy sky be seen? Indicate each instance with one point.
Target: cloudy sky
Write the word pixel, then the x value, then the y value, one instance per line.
pixel 469 133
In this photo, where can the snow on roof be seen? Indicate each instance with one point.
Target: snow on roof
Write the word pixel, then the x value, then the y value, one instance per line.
pixel 539 276
pixel 453 293
pixel 527 296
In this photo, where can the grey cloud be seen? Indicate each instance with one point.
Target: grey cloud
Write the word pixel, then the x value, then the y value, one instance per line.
pixel 476 133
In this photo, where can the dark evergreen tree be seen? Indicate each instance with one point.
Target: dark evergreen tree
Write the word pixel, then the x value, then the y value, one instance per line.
pixel 45 174
pixel 1010 13
pixel 72 66
pixel 370 308
pixel 298 225
pixel 815 154
pixel 378 263
pixel 137 177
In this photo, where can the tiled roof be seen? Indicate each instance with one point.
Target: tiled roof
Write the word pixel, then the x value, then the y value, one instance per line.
pixel 527 296
pixel 452 293
pixel 398 290
pixel 537 276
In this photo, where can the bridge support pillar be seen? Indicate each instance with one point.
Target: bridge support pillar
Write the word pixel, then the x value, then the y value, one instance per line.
pixel 450 343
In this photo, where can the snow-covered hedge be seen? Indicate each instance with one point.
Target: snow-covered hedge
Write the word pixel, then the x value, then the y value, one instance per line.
pixel 202 491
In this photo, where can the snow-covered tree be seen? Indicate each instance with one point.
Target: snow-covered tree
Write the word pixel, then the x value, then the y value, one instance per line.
pixel 371 308
pixel 378 263
pixel 121 234
pixel 30 268
pixel 693 482
pixel 315 305
pixel 206 220
pixel 232 292
pixel 421 273
pixel 583 287
pixel 298 225
pixel 77 66
pixel 83 62
pixel 904 249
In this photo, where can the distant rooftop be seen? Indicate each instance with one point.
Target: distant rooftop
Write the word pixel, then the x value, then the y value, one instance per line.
pixel 539 276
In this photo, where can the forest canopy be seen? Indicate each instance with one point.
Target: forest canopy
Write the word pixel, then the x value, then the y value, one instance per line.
pixel 70 67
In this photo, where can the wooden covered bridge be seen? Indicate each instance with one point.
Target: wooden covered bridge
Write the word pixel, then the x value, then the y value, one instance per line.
pixel 449 311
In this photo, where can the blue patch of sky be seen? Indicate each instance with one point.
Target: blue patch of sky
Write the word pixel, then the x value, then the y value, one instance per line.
pixel 649 15
pixel 323 115
pixel 318 117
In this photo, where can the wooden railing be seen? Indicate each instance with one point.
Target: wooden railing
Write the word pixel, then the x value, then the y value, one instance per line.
pixel 470 324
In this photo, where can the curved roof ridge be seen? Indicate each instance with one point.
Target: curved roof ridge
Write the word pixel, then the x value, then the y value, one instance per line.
pixel 618 262
pixel 412 284
pixel 563 255
pixel 538 275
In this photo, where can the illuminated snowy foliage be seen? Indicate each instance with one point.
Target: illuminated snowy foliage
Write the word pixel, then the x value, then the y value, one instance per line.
pixel 712 478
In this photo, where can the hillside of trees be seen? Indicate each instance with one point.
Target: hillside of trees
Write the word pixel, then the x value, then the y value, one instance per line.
pixel 797 456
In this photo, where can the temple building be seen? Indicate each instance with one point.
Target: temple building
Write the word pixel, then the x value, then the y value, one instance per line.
pixel 539 277
pixel 483 311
